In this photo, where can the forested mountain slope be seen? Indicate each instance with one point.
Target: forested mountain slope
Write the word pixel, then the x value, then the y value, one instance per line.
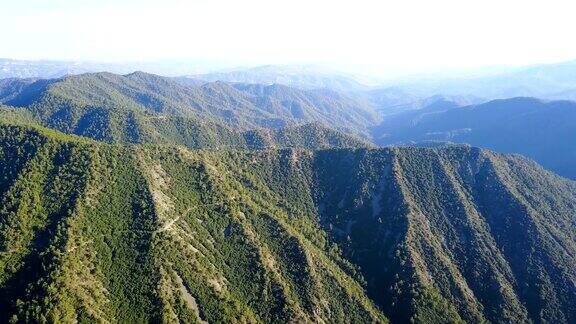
pixel 92 231
pixel 350 113
pixel 134 234
pixel 538 129
pixel 114 107
pixel 214 136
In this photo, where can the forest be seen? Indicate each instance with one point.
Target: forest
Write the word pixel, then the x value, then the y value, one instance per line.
pixel 91 231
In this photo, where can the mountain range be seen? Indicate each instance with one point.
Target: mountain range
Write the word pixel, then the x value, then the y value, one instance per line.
pixel 142 198
pixel 541 130
pixel 141 107
pixel 146 108
pixel 298 76
pixel 48 69
pixel 546 81
pixel 550 81
pixel 98 232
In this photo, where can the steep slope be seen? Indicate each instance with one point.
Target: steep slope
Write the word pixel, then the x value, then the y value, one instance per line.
pixel 146 233
pixel 11 87
pixel 535 128
pixel 15 115
pixel 128 234
pixel 468 233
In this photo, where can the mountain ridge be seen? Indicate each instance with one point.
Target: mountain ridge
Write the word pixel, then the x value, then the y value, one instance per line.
pixel 423 234
pixel 141 107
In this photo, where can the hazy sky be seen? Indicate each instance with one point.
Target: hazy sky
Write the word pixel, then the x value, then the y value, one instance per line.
pixel 372 35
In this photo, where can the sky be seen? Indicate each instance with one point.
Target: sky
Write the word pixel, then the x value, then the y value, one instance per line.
pixel 370 36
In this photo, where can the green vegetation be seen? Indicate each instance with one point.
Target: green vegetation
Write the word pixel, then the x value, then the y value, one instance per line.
pixel 98 232
pixel 145 108
pixel 205 135
pixel 101 232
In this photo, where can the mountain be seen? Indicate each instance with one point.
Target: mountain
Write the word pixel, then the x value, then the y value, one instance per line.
pixel 338 110
pixel 538 129
pixel 394 100
pixel 97 232
pixel 47 69
pixel 403 121
pixel 298 76
pixel 202 135
pixel 547 81
pixel 127 108
pixel 12 87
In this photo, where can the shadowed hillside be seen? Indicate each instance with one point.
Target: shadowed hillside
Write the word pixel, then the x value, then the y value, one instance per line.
pixel 537 129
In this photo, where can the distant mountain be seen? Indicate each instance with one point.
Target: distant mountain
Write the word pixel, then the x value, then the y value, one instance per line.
pixel 46 69
pixel 338 110
pixel 546 81
pixel 92 232
pixel 299 76
pixel 138 107
pixel 304 77
pixel 538 129
pixel 190 82
pixel 406 119
pixel 393 100
pixel 12 87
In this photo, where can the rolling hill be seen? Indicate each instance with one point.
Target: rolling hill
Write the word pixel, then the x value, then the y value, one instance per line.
pixel 98 232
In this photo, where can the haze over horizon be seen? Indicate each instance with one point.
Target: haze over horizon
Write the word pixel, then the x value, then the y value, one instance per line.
pixel 367 37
